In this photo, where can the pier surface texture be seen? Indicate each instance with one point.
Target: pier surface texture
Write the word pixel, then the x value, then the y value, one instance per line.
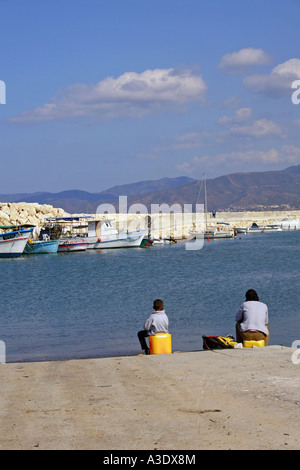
pixel 225 399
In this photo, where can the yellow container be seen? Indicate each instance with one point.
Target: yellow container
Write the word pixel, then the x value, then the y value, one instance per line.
pixel 251 343
pixel 160 343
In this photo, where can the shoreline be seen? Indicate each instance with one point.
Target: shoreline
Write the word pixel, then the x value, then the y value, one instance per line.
pixel 222 399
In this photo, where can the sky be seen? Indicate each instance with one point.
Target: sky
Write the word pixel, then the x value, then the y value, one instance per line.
pixel 98 93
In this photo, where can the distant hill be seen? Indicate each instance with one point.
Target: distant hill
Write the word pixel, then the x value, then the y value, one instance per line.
pixel 269 190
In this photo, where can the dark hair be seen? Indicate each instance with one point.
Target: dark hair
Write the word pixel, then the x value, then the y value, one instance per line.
pixel 158 304
pixel 251 294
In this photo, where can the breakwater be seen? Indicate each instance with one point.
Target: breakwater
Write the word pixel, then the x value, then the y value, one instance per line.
pixel 22 213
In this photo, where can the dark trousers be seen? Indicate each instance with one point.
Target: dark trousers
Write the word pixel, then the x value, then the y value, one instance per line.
pixel 142 335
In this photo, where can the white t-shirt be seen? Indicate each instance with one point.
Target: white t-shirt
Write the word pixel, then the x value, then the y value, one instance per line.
pixel 158 322
pixel 254 316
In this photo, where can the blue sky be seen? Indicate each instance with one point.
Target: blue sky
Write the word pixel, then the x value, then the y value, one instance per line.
pixel 108 92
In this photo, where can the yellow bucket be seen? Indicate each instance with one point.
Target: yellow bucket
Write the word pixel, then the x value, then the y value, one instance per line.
pixel 160 343
pixel 251 343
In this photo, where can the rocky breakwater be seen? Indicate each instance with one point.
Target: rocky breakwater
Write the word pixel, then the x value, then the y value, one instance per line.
pixel 21 213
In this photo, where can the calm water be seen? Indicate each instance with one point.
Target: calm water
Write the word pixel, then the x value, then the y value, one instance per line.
pixel 91 304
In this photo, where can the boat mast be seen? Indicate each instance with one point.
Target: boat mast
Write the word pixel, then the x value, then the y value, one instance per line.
pixel 205 200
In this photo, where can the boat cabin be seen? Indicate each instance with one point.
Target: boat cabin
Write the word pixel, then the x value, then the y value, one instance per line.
pixel 98 228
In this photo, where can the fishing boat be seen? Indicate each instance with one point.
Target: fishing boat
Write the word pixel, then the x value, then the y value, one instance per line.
pixel 13 240
pixel 67 231
pixel 72 244
pixel 102 234
pixel 92 233
pixel 216 231
pixel 146 240
pixel 45 246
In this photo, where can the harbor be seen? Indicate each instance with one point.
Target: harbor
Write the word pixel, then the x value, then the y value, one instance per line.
pixel 149 229
pixel 78 232
pixel 91 304
pixel 70 331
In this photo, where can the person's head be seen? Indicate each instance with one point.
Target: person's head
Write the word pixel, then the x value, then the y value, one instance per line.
pixel 251 294
pixel 158 304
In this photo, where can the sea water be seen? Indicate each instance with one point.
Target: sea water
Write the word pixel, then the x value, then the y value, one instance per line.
pixel 93 303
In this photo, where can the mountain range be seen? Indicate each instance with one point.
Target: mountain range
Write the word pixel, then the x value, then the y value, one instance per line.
pixel 268 190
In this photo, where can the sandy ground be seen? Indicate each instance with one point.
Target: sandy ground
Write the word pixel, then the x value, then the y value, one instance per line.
pixel 228 399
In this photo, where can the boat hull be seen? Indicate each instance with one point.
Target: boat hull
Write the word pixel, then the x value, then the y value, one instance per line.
pixel 72 245
pixel 12 244
pixel 218 234
pixel 41 247
pixel 213 234
pixel 119 241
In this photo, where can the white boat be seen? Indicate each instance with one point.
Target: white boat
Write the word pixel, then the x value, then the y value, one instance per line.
pixel 269 228
pixel 217 232
pixel 163 241
pixel 255 228
pixel 72 244
pixel 258 229
pixel 263 228
pixel 13 242
pixel 102 234
pixel 212 232
pixel 157 241
pixel 287 224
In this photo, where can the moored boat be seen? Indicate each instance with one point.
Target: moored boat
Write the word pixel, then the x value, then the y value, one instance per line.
pixel 13 242
pixel 255 228
pixel 146 240
pixel 269 228
pixel 102 234
pixel 72 244
pixel 241 229
pixel 36 247
pixel 287 224
pixel 217 231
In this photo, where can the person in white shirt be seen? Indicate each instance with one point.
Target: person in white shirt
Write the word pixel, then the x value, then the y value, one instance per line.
pixel 157 322
pixel 252 319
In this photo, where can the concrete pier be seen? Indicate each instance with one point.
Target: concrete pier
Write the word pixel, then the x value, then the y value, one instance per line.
pixel 223 399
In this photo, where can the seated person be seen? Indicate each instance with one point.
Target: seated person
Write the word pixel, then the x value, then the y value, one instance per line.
pixel 252 319
pixel 157 322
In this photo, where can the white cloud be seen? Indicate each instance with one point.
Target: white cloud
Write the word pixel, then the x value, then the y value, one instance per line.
pixel 247 57
pixel 240 115
pixel 287 154
pixel 131 94
pixel 190 140
pixel 242 124
pixel 278 82
pixel 259 128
